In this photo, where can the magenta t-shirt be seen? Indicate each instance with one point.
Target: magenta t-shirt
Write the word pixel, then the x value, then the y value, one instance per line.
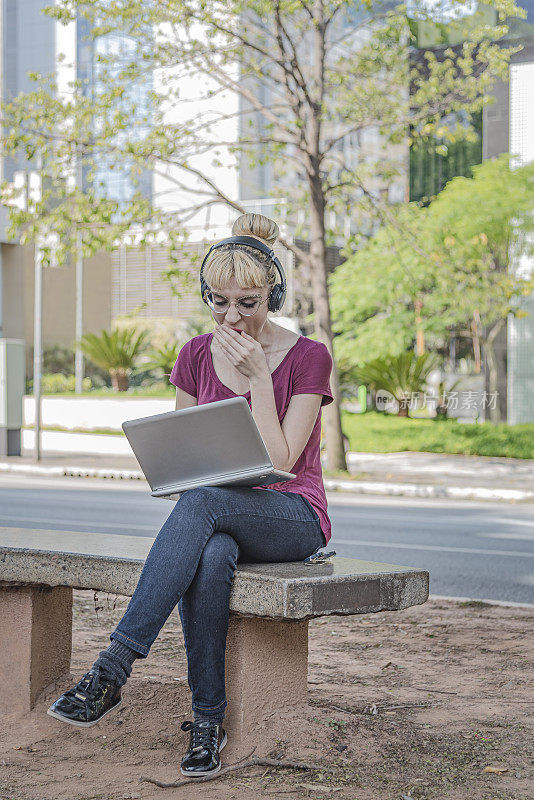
pixel 305 369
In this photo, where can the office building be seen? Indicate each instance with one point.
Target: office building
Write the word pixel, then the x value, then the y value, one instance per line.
pixel 113 181
pixel 29 42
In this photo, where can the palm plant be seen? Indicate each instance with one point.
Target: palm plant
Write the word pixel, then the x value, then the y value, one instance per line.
pixel 117 352
pixel 400 375
pixel 163 358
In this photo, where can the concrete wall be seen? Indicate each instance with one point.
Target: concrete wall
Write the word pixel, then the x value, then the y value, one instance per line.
pixel 58 298
pixel 92 413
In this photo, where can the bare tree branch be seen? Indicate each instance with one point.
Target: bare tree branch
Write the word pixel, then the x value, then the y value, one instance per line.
pixel 252 762
pixel 296 72
pixel 251 97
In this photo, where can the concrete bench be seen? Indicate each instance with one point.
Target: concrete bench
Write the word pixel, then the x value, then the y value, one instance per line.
pixel 270 606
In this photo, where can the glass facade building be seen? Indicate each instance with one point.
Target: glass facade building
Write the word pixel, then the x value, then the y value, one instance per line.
pixel 433 165
pixel 28 45
pixel 117 182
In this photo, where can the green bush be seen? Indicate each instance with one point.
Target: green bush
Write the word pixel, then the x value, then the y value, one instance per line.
pixel 164 390
pixel 59 359
pixel 56 383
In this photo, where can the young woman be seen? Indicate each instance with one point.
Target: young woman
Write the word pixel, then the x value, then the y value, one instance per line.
pixel 285 378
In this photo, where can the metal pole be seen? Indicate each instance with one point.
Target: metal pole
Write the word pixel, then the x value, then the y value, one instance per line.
pixel 78 358
pixel 38 346
pixel 1 292
pixel 78 354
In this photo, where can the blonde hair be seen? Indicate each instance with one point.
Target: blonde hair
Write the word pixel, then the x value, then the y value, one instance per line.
pixel 250 267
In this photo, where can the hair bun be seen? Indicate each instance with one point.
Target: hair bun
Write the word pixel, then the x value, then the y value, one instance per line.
pixel 256 225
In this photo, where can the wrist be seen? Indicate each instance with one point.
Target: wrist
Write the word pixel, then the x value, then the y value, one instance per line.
pixel 260 378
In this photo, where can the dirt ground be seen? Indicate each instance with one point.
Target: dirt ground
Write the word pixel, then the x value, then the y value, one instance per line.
pixel 410 704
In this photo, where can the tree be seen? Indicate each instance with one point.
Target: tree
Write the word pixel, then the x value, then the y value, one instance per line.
pixel 459 255
pixel 313 78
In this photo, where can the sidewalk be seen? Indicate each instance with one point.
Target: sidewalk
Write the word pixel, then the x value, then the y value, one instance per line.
pixel 444 475
pixel 406 473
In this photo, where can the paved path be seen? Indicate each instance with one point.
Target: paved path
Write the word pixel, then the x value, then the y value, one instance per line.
pixel 444 469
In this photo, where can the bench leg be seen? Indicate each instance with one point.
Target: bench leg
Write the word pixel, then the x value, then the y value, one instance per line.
pixel 266 682
pixel 36 637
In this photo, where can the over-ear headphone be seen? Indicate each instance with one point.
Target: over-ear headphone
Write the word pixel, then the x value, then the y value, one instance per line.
pixel 278 291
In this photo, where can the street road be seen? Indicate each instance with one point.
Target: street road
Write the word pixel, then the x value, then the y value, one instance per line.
pixel 471 549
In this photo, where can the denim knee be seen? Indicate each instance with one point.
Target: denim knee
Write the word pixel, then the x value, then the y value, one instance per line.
pixel 203 497
pixel 220 550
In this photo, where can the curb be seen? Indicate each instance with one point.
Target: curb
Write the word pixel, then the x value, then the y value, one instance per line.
pixel 330 484
pixel 424 490
pixel 73 472
pixel 503 603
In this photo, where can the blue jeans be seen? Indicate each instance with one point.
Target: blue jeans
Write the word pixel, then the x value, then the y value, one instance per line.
pixel 192 563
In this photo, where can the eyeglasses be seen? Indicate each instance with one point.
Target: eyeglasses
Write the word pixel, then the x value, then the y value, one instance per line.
pixel 247 306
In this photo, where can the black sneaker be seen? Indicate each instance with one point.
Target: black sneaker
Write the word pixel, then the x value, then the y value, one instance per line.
pixel 206 741
pixel 89 701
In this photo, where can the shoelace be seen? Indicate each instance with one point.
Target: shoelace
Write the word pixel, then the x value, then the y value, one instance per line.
pixel 202 736
pixel 79 693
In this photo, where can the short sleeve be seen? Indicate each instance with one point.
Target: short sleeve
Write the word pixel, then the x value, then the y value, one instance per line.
pixel 312 373
pixel 183 373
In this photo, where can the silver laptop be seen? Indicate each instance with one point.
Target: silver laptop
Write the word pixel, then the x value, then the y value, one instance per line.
pixel 214 444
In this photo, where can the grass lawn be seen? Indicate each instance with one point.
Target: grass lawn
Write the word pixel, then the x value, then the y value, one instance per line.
pixel 59 429
pixel 157 391
pixel 375 432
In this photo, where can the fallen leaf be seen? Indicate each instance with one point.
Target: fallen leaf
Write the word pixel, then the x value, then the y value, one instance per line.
pixel 497 770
